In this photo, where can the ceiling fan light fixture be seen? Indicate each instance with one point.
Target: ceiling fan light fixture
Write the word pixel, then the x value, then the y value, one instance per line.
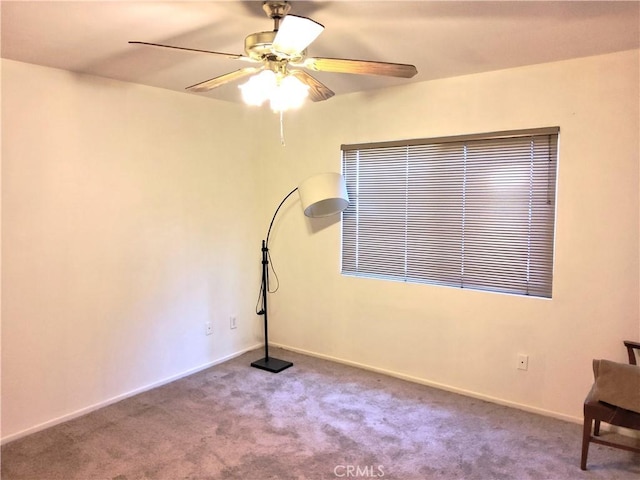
pixel 258 88
pixel 284 92
pixel 289 94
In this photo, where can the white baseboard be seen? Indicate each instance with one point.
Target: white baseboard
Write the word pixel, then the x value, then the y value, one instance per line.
pixel 109 401
pixel 441 386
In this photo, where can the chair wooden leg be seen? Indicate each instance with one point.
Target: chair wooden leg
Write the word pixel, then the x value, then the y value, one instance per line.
pixel 596 428
pixel 586 438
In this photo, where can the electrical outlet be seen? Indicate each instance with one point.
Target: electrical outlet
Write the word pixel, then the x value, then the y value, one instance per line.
pixel 232 322
pixel 523 362
pixel 208 328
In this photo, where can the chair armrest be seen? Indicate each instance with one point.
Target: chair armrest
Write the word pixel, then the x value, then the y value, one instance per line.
pixel 631 346
pixel 617 384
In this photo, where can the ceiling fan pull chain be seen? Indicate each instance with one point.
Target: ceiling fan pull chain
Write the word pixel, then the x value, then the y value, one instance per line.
pixel 282 129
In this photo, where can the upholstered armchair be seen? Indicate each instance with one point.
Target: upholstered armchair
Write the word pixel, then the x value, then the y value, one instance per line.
pixel 613 399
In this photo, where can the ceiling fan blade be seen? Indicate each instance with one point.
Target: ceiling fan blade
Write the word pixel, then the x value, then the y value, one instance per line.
pixel 363 67
pixel 228 55
pixel 317 90
pixel 222 79
pixel 295 34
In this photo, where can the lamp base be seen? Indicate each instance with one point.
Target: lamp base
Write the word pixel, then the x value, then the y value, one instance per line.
pixel 271 364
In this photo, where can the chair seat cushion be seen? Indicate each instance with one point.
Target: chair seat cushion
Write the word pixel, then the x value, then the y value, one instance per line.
pixel 617 384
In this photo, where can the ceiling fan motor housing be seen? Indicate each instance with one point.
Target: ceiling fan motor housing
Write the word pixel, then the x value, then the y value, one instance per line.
pixel 259 46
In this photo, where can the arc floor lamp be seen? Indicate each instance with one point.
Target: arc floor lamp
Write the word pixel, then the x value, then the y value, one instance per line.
pixel 322 195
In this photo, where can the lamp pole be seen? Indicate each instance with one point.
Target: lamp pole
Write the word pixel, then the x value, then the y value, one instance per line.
pixel 321 195
pixel 268 363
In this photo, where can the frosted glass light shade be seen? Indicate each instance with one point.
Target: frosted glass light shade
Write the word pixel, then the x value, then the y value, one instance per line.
pixel 284 92
pixel 290 93
pixel 259 88
pixel 323 195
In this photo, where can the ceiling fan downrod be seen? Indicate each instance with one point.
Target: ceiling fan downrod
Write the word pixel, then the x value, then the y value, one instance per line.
pixel 276 11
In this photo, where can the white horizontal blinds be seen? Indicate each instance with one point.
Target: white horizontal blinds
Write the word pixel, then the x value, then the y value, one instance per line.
pixel 471 212
pixel 350 237
pixel 377 192
pixel 543 209
pixel 435 213
pixel 506 194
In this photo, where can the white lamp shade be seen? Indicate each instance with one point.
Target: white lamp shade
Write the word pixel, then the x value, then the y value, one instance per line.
pixel 295 34
pixel 323 195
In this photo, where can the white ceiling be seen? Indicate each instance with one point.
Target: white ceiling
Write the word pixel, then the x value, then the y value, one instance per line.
pixel 443 39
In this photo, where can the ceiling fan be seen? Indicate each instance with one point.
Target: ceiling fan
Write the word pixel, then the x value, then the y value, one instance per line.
pixel 283 51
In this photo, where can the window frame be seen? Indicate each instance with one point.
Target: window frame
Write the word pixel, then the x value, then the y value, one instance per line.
pixel 542 284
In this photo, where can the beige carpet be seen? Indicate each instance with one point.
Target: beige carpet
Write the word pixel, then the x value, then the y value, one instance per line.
pixel 317 420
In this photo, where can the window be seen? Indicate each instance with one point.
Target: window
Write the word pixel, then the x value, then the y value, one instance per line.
pixel 473 211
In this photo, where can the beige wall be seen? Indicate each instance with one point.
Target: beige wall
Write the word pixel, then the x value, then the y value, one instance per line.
pixel 132 215
pixel 464 340
pixel 128 222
